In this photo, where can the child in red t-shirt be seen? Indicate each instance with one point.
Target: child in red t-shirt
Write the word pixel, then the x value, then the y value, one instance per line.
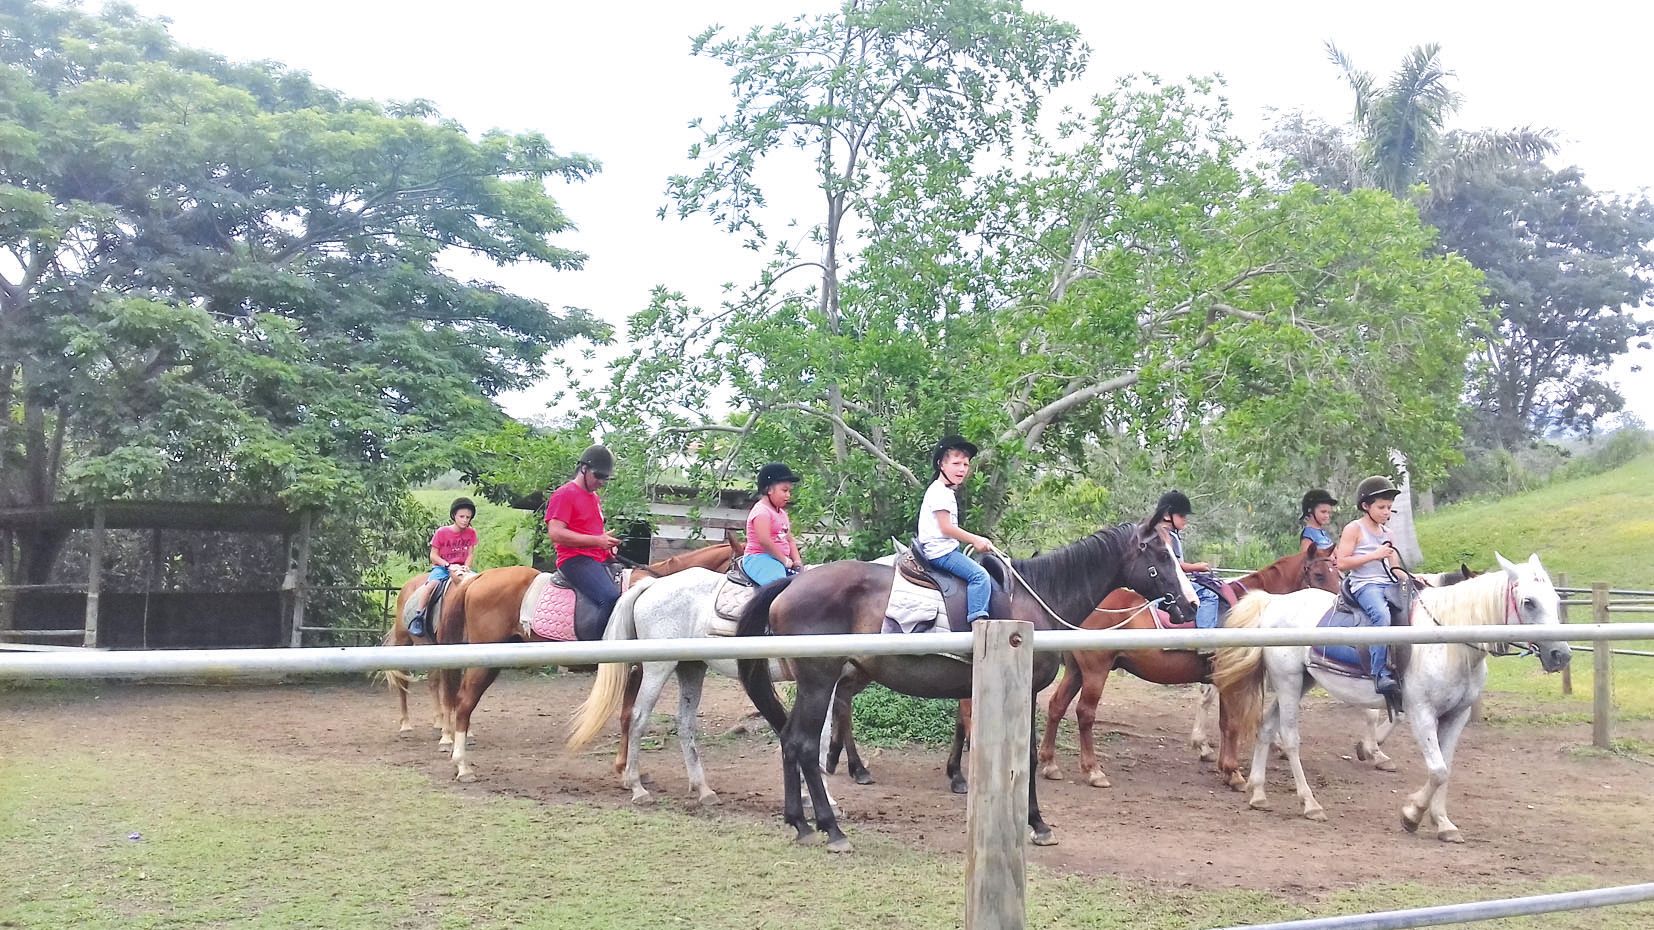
pixel 451 550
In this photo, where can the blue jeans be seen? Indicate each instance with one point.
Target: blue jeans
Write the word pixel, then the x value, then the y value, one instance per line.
pixel 1377 609
pixel 763 568
pixel 590 578
pixel 978 586
pixel 1206 613
pixel 439 573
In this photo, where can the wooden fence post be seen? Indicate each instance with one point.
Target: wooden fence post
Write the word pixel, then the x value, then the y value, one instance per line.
pixel 1567 670
pixel 996 819
pixel 1602 664
pixel 94 577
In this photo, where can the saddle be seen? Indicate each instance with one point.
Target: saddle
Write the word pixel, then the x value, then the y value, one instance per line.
pixel 913 568
pixel 433 613
pixel 1229 592
pixel 737 573
pixel 1354 661
pixel 554 610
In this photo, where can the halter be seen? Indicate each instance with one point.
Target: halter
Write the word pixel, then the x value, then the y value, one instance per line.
pixel 1512 617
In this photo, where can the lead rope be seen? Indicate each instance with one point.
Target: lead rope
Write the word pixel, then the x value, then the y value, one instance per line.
pixel 1131 613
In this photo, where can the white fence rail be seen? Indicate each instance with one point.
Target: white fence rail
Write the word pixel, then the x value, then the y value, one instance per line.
pixel 995 874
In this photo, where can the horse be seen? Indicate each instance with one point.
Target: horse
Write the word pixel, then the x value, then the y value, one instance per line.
pixel 682 606
pixel 1086 673
pixel 1440 682
pixel 398 635
pixel 488 610
pixel 851 597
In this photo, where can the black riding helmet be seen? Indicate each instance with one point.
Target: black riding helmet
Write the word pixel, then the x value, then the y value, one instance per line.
pixel 948 444
pixel 1171 503
pixel 598 458
pixel 462 503
pixel 1314 499
pixel 775 473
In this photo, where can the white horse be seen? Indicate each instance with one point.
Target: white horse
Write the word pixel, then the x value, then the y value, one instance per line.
pixel 678 606
pixel 1441 681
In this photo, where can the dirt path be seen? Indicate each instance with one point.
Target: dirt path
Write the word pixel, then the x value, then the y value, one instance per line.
pixel 1530 804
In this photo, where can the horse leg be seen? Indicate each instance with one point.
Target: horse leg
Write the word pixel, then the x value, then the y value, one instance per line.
pixel 634 679
pixel 956 753
pixel 1289 705
pixel 1206 701
pixel 1091 693
pixel 801 752
pixel 654 679
pixel 844 739
pixel 447 693
pixel 472 685
pixel 691 676
pixel 1371 747
pixel 1259 801
pixel 1451 728
pixel 1229 740
pixel 1039 832
pixel 439 713
pixel 1066 690
pixel 400 684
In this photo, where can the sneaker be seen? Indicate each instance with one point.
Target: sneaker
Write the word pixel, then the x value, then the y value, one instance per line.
pixel 416 624
pixel 1387 685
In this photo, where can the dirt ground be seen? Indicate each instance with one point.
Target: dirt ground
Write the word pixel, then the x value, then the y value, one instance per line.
pixel 1531 804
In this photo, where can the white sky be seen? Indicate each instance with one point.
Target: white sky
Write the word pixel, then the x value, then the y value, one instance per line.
pixel 616 81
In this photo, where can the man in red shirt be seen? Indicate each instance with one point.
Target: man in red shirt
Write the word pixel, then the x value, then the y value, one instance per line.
pixel 574 521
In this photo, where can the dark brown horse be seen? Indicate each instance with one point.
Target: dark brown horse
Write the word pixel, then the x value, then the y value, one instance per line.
pixel 851 597
pixel 488 610
pixel 1085 673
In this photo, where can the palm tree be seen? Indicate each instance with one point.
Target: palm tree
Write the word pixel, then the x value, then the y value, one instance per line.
pixel 1400 134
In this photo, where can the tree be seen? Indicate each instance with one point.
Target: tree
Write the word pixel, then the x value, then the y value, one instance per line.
pixel 223 281
pixel 1132 285
pixel 1565 269
pixel 1399 132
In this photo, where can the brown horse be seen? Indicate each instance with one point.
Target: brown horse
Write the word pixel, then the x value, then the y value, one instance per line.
pixel 1085 673
pixel 851 597
pixel 488 610
pixel 400 681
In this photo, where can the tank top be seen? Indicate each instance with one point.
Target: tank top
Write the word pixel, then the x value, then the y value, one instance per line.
pixel 781 526
pixel 1374 572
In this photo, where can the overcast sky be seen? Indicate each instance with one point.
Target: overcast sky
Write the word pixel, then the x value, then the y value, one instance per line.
pixel 616 81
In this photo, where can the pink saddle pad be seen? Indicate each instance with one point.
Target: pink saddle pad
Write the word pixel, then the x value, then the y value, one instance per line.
pixel 554 615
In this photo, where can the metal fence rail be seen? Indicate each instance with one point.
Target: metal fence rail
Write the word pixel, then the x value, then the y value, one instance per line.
pixel 1471 910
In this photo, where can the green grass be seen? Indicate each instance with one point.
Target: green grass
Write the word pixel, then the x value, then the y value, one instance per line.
pixel 1597 528
pixel 1529 696
pixel 255 840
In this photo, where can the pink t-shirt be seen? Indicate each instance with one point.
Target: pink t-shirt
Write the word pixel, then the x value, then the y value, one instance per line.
pixel 781 529
pixel 454 545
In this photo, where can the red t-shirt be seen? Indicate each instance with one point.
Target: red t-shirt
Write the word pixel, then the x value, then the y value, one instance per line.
pixel 454 545
pixel 580 511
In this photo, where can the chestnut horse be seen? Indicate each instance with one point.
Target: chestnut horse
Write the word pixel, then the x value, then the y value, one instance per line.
pixel 1085 673
pixel 488 610
pixel 399 681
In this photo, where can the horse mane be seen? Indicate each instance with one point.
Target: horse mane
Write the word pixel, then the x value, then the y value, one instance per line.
pixel 1255 580
pixel 1068 578
pixel 1475 601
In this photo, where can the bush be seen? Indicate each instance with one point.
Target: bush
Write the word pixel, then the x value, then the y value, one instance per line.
pixel 882 717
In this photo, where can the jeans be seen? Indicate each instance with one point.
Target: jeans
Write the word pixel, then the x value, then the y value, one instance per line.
pixel 1377 609
pixel 763 568
pixel 1206 613
pixel 439 573
pixel 978 586
pixel 590 578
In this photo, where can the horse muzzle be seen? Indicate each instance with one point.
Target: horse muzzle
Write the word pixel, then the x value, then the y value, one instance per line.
pixel 1554 657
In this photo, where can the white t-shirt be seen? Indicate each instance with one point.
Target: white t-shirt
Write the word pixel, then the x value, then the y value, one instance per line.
pixel 937 497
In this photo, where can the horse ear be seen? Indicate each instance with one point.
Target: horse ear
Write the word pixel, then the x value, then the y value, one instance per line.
pixel 1504 563
pixel 1533 559
pixel 1465 571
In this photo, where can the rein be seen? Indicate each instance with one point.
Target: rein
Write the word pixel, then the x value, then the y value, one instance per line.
pixel 1131 613
pixel 1497 649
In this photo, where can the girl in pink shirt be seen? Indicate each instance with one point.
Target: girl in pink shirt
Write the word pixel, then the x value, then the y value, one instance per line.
pixel 772 553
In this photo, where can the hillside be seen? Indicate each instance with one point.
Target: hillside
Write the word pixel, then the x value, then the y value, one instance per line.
pixel 1596 528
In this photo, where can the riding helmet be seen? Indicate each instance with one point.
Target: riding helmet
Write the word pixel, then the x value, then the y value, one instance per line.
pixel 947 444
pixel 1373 488
pixel 598 458
pixel 1316 498
pixel 1172 503
pixel 775 473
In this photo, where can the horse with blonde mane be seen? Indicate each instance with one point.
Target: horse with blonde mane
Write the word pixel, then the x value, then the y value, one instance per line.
pixel 1440 682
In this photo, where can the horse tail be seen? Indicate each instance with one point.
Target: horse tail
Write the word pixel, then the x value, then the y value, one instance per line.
pixel 1238 672
pixel 396 679
pixel 755 673
pixel 609 690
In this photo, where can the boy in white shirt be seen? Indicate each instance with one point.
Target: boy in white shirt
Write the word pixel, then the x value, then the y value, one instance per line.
pixel 940 534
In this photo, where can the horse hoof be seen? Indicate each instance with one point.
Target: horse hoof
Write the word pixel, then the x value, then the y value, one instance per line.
pixel 959 785
pixel 1361 752
pixel 1450 836
pixel 1388 765
pixel 710 799
pixel 1050 772
pixel 1236 782
pixel 809 838
pixel 641 796
pixel 830 767
pixel 1042 837
pixel 1208 754
pixel 863 777
pixel 840 845
pixel 1260 804
pixel 1409 822
pixel 1318 815
pixel 1098 780
pixel 404 730
pixel 465 778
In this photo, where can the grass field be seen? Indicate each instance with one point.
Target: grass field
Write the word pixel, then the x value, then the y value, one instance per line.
pixel 134 836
